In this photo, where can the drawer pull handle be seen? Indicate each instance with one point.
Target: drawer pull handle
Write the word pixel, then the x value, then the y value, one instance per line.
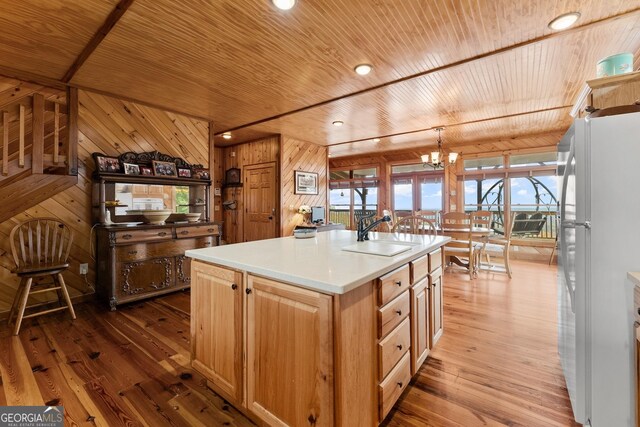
pixel 127 236
pixel 211 230
pixel 133 252
pixel 399 282
pixel 184 232
pixel 248 291
pixel 234 286
pixel 399 347
pixel 207 244
pixel 400 384
pixel 162 233
pixel 399 312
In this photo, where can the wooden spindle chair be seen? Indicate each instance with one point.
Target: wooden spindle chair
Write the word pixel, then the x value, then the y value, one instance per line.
pixel 40 247
pixel 415 225
pixel 457 225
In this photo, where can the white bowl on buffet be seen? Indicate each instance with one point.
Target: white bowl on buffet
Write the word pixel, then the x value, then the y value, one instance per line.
pixel 156 217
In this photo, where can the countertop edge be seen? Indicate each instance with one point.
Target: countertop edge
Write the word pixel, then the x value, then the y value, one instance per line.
pixel 318 285
pixel 634 276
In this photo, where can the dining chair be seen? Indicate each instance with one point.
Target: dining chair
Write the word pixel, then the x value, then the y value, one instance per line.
pixel 502 244
pixel 415 225
pixel 457 225
pixel 40 248
pixel 481 219
pixel 432 216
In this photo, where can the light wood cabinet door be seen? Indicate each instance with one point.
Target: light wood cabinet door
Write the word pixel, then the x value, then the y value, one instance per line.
pixel 420 332
pixel 289 354
pixel 435 298
pixel 216 327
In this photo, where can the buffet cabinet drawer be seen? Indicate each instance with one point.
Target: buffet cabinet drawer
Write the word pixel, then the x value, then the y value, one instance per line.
pixel 146 276
pixel 393 313
pixel 195 231
pixel 419 268
pixel 393 385
pixel 393 284
pixel 393 347
pixel 148 235
pixel 131 252
pixel 435 260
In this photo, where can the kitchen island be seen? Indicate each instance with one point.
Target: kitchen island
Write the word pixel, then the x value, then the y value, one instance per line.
pixel 302 332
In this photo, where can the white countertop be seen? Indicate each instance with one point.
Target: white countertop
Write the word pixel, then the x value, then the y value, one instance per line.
pixel 634 276
pixel 317 263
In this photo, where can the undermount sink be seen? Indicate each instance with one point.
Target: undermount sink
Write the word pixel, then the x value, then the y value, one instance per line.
pixel 379 247
pixel 395 242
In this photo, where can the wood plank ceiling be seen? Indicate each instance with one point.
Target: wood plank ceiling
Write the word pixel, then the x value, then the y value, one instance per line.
pixel 485 69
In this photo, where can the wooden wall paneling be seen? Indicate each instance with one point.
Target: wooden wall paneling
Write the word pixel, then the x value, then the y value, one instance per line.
pixel 5 143
pixel 105 126
pixel 37 144
pixel 238 156
pixel 21 137
pixel 217 174
pixel 72 131
pixel 308 157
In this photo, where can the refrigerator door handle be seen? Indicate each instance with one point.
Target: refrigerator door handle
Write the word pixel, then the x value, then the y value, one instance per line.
pixel 574 224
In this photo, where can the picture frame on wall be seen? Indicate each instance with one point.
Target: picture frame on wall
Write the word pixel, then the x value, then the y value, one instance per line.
pixel 305 182
pixel 164 168
pixel 131 169
pixel 201 174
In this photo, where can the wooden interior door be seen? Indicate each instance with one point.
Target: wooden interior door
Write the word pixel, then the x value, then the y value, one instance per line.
pixel 260 195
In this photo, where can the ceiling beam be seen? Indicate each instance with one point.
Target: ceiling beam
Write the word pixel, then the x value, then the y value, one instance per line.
pixel 97 38
pixel 488 119
pixel 441 68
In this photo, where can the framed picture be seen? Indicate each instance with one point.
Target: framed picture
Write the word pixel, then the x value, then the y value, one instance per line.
pixel 184 173
pixel 146 170
pixel 305 182
pixel 164 168
pixel 131 169
pixel 107 164
pixel 232 176
pixel 201 174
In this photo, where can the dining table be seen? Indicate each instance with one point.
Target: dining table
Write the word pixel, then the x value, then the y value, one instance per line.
pixel 479 235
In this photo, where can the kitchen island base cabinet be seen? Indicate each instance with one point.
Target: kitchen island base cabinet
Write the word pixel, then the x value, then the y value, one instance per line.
pixel 289 342
pixel 420 324
pixel 216 327
pixel 435 281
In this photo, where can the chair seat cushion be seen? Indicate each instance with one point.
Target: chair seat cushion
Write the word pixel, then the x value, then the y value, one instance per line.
pixel 42 269
pixel 456 250
pixel 494 247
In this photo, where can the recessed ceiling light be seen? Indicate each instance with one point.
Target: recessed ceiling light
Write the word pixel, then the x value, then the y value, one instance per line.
pixel 363 69
pixel 338 123
pixel 564 21
pixel 376 139
pixel 226 135
pixel 284 4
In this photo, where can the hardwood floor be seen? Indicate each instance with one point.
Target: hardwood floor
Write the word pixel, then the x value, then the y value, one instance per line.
pixel 496 363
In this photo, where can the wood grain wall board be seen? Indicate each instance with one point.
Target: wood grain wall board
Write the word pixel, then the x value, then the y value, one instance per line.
pixel 318 43
pixel 111 126
pixel 217 175
pixel 46 36
pixel 307 157
pixel 238 156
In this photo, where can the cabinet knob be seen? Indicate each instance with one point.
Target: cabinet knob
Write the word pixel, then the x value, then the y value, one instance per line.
pixel 399 282
pixel 127 236
pixel 210 230
pixel 184 232
pixel 399 347
pixel 234 286
pixel 399 312
pixel 133 252
pixel 162 233
pixel 248 291
pixel 400 384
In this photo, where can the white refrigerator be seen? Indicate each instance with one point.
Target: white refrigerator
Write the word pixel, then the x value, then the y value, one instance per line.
pixel 599 242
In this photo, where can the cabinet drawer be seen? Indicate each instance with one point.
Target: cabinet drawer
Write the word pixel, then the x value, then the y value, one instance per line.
pixel 130 236
pixel 419 268
pixel 435 260
pixel 392 284
pixel 195 231
pixel 393 347
pixel 131 252
pixel 393 385
pixel 435 275
pixel 393 313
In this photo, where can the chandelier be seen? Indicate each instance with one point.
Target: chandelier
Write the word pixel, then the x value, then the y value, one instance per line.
pixel 437 158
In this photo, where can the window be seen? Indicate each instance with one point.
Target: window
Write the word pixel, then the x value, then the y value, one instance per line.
pixel 415 188
pixel 431 193
pixel 403 195
pixel 533 160
pixel 534 200
pixel 484 164
pixel 352 192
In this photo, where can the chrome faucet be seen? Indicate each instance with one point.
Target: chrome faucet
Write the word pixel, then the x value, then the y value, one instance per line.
pixel 363 232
